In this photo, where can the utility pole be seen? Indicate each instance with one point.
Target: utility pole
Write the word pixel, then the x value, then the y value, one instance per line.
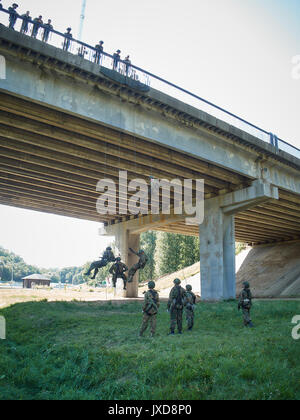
pixel 82 17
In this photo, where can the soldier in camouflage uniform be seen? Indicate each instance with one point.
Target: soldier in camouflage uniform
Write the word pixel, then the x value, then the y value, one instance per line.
pixel 107 257
pixel 118 272
pixel 143 259
pixel 175 306
pixel 150 309
pixel 13 15
pixel 189 303
pixel 25 24
pixel 245 302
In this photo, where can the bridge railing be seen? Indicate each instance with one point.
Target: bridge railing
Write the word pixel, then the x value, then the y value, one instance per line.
pixel 137 74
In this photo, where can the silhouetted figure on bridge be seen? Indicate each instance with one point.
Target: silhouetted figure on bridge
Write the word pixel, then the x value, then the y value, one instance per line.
pixel 25 24
pixel 13 15
pixel 67 41
pixel 37 23
pixel 99 51
pixel 47 29
pixel 127 63
pixel 117 59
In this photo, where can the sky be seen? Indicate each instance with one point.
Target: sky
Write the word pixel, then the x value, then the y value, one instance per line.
pixel 235 53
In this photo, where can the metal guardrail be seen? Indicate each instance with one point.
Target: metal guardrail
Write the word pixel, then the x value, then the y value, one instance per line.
pixel 134 74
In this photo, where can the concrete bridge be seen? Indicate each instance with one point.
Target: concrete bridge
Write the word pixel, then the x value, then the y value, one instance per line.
pixel 64 125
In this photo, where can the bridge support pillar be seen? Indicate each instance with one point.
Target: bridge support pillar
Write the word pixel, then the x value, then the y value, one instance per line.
pixel 217 239
pixel 217 254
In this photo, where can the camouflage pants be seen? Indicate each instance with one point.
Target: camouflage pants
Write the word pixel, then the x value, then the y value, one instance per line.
pixel 246 315
pixel 176 318
pixel 119 276
pixel 96 265
pixel 146 319
pixel 190 318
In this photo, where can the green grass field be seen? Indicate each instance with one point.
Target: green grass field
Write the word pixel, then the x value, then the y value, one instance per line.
pixel 86 351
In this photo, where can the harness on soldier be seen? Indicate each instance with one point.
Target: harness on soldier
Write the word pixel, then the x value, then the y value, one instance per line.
pixel 190 301
pixel 152 303
pixel 177 301
pixel 247 300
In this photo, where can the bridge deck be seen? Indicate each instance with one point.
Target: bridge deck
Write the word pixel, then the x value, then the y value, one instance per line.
pixel 51 160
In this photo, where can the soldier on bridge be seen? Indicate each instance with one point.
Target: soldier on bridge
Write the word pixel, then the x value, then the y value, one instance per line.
pixel 38 22
pixel 13 15
pixel 47 29
pixel 117 59
pixel 67 41
pixel 25 24
pixel 99 51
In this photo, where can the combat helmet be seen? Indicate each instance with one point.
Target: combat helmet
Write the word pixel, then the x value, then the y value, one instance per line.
pixel 177 281
pixel 246 285
pixel 189 288
pixel 118 259
pixel 108 248
pixel 151 285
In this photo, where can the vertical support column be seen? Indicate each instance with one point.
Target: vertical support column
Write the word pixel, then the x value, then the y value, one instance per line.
pixel 124 241
pixel 217 253
pixel 134 243
pixel 229 257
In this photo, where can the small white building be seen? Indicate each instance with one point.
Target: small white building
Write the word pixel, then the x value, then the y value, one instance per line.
pixel 37 280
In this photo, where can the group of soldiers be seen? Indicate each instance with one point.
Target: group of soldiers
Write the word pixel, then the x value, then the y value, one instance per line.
pixel 38 24
pixel 179 298
pixel 118 269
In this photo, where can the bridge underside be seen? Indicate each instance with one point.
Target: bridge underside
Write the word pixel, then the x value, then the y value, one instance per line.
pixel 51 161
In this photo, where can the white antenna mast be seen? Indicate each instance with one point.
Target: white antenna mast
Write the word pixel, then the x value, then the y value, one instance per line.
pixel 82 17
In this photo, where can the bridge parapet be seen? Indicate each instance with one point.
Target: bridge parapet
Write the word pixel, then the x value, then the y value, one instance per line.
pixel 140 79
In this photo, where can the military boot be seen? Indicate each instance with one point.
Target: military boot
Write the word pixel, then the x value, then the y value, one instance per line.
pixel 250 325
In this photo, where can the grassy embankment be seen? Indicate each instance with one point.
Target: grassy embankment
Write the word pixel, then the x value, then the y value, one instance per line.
pixel 75 350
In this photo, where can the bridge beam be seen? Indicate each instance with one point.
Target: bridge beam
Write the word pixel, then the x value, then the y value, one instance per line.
pixel 217 238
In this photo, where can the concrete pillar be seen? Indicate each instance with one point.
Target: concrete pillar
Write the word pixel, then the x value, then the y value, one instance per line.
pixel 217 239
pixel 217 253
pixel 125 240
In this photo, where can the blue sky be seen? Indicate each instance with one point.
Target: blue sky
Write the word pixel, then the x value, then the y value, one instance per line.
pixel 236 53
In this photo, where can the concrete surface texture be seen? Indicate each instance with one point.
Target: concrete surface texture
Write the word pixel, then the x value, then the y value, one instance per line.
pixel 273 270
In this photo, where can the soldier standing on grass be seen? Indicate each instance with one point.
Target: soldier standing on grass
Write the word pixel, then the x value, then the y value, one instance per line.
pixel 190 302
pixel 118 272
pixel 175 306
pixel 150 309
pixel 245 302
